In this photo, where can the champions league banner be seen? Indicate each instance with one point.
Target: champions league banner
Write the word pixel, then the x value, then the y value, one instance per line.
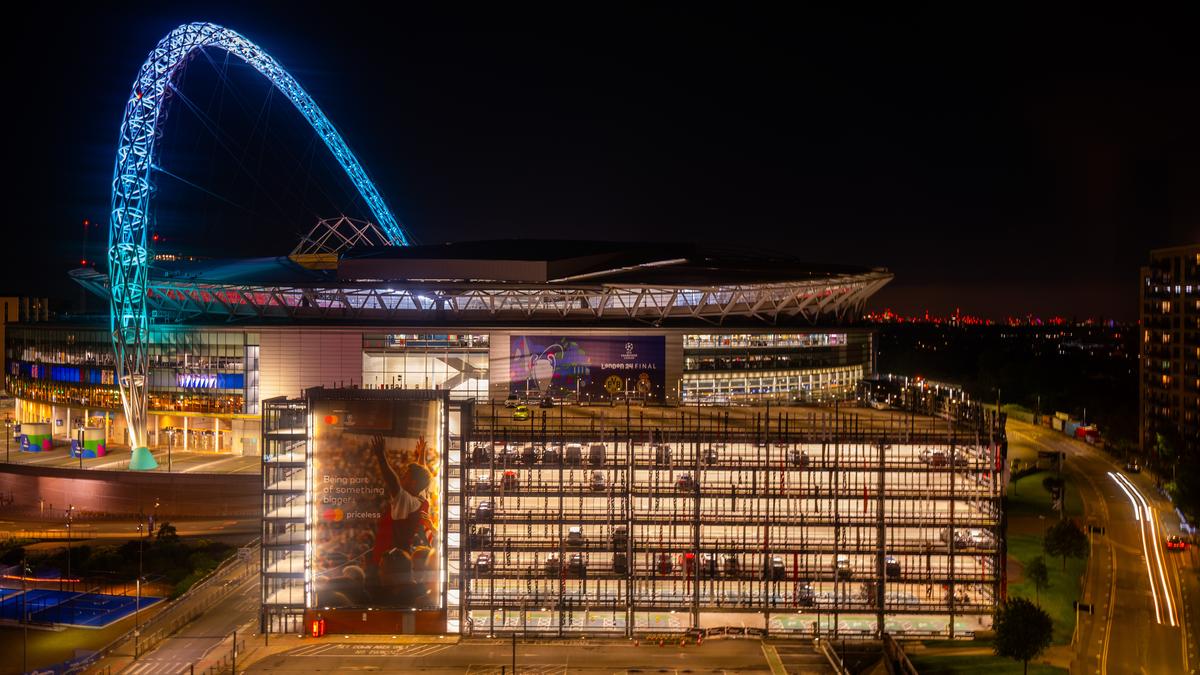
pixel 376 503
pixel 595 368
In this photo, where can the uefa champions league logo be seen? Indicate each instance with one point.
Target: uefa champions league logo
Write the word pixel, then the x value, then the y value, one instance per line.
pixel 629 354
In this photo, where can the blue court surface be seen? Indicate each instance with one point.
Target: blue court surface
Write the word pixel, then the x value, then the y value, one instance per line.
pixel 87 610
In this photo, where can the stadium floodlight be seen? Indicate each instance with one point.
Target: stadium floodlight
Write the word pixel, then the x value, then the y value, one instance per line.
pixel 132 190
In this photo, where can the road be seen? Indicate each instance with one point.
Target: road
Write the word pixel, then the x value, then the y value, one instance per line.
pixel 208 632
pixel 1146 627
pixel 476 657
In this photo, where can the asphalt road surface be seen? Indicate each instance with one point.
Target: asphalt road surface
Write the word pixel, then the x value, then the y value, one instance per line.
pixel 1148 627
pixel 475 657
pixel 240 610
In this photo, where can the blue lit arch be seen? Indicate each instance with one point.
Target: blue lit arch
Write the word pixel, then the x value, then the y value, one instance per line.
pixel 132 189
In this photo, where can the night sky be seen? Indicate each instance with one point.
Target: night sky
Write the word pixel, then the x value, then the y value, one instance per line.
pixel 999 164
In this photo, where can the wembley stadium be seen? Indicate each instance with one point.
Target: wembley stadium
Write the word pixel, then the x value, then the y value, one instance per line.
pixel 344 309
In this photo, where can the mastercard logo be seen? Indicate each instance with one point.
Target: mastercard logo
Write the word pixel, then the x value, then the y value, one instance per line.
pixel 333 514
pixel 331 419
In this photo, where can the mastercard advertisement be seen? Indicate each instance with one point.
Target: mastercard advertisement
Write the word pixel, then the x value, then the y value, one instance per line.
pixel 377 503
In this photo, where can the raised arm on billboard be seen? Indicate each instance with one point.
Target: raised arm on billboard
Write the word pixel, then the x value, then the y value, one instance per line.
pixel 385 468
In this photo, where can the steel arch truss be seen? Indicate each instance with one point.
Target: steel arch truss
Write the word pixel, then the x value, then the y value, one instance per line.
pixel 132 189
pixel 830 300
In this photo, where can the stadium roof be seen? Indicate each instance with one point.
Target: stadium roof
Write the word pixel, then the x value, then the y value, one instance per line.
pixel 490 281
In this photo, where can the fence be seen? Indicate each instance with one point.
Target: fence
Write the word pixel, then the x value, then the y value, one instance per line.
pixel 896 658
pixel 202 596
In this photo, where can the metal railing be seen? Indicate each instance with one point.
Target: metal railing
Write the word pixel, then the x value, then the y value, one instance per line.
pixel 202 596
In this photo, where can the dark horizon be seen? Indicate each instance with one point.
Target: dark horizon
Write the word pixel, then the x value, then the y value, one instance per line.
pixel 1000 167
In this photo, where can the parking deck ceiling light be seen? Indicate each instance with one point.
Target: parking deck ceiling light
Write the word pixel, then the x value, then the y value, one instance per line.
pixel 132 189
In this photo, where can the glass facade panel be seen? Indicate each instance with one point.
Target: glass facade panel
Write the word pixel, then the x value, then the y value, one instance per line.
pixel 458 362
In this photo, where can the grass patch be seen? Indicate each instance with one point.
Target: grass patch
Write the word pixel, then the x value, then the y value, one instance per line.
pixel 1058 599
pixel 991 665
pixel 1027 498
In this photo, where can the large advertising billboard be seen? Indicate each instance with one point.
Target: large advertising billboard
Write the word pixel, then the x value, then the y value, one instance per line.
pixel 376 503
pixel 592 367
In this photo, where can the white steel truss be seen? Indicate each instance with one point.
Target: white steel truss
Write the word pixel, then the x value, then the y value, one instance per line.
pixel 831 300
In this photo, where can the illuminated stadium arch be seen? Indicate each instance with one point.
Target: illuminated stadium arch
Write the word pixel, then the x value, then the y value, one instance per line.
pixel 127 252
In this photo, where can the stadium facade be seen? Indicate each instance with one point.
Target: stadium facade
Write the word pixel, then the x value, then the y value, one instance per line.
pixel 712 327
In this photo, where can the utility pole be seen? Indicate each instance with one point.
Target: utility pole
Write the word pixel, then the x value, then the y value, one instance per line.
pixel 138 601
pixel 70 510
pixel 24 616
pixel 514 653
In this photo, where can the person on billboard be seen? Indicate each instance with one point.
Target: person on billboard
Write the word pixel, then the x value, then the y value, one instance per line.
pixel 405 525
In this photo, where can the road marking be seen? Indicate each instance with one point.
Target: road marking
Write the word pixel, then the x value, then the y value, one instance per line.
pixel 773 660
pixel 1112 602
pixel 1155 544
pixel 1137 515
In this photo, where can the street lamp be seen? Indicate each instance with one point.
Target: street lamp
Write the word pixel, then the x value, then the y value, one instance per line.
pixel 138 602
pixel 70 510
pixel 7 435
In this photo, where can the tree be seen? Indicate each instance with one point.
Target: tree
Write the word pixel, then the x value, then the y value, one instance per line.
pixel 1023 631
pixel 1052 484
pixel 1064 539
pixel 1038 575
pixel 167 533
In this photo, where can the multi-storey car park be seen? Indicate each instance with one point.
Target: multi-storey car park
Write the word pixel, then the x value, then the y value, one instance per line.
pixel 790 520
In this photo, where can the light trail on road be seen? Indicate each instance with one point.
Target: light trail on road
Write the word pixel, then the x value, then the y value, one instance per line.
pixel 1136 497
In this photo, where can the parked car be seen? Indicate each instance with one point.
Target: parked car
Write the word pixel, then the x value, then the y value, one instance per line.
pixel 1176 543
pixel 774 570
pixel 806 595
pixel 685 482
pixel 709 456
pixel 553 565
pixel 729 565
pixel 665 566
pixel 575 537
pixel 521 412
pixel 708 565
pixel 596 454
pixel 480 538
pixel 552 455
pixel 529 455
pixel 484 512
pixel 620 538
pixel 937 458
pixel 575 565
pixel 573 456
pixel 620 563
pixel 480 454
pixel 891 567
pixel 509 481
pixel 1132 466
pixel 841 567
pixel 546 402
pixel 483 564
pixel 512 401
pixel 966 538
pixel 798 457
pixel 599 481
pixel 961 460
pixel 662 454
pixel 509 456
